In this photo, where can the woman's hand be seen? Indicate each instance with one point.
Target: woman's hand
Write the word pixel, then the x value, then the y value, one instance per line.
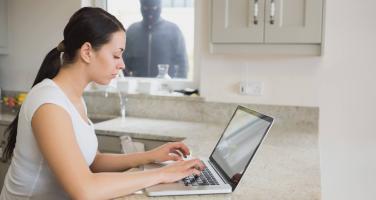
pixel 180 169
pixel 171 151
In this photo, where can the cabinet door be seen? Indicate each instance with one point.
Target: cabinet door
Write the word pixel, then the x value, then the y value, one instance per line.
pixel 295 21
pixel 3 27
pixel 233 21
pixel 109 144
pixel 2 130
pixel 3 165
pixel 3 171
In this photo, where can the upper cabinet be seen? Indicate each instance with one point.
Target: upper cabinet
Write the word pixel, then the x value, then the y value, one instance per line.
pixel 3 27
pixel 239 21
pixel 267 26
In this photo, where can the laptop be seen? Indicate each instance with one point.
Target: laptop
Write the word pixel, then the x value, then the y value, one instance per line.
pixel 228 161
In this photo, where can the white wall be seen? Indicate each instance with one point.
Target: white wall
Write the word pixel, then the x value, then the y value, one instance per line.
pixel 288 80
pixel 347 99
pixel 35 27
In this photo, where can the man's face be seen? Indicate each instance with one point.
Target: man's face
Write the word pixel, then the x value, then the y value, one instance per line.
pixel 151 10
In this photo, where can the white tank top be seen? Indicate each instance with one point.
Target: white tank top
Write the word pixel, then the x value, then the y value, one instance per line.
pixel 29 176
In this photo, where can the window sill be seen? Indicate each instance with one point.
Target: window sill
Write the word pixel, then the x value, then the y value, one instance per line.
pixel 160 89
pixel 154 96
pixel 144 87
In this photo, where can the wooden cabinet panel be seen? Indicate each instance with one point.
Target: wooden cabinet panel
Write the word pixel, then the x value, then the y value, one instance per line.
pixel 150 144
pixel 3 165
pixel 3 171
pixel 2 130
pixel 109 144
pixel 112 144
pixel 294 21
pixel 234 21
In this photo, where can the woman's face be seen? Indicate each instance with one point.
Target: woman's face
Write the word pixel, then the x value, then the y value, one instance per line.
pixel 108 60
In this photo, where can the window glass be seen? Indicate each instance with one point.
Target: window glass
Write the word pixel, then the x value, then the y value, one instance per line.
pixel 160 37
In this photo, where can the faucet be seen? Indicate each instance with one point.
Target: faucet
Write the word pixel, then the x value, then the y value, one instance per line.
pixel 123 101
pixel 122 97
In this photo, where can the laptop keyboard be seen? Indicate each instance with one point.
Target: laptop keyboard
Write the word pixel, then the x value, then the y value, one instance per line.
pixel 205 178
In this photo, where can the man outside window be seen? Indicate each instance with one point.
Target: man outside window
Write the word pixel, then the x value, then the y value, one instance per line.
pixel 154 41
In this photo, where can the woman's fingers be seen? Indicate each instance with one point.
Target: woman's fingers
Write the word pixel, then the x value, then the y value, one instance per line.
pixel 195 164
pixel 178 153
pixel 183 168
pixel 179 146
pixel 175 157
pixel 193 171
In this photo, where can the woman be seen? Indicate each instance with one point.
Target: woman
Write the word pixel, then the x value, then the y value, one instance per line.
pixel 52 142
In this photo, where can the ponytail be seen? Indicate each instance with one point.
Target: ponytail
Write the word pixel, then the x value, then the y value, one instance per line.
pixel 49 69
pixel 50 66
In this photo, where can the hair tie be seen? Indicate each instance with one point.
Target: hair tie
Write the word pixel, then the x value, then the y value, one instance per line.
pixel 61 47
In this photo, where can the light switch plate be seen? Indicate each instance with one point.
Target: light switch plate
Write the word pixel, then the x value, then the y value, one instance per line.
pixel 252 88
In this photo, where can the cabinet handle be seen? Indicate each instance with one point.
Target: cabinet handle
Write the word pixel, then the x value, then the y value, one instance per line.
pixel 272 11
pixel 255 12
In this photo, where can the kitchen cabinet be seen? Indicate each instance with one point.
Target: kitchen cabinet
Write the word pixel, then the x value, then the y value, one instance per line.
pixel 3 27
pixel 3 165
pixel 112 144
pixel 3 171
pixel 109 144
pixel 294 21
pixel 150 144
pixel 233 22
pixel 289 26
pixel 2 129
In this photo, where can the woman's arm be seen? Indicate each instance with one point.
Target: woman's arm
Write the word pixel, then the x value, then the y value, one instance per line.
pixel 108 162
pixel 54 133
pixel 105 162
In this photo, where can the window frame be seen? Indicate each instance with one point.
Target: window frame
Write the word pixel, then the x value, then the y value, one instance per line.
pixel 177 83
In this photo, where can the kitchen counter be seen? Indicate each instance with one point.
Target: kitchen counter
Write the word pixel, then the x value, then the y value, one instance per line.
pixel 286 166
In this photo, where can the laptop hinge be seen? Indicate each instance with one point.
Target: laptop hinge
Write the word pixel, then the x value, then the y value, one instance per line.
pixel 216 170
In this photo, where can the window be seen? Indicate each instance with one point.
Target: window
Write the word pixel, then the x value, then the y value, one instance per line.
pixel 178 12
pixel 177 3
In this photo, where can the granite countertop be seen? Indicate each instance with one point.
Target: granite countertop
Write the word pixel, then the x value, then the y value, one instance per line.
pixel 286 166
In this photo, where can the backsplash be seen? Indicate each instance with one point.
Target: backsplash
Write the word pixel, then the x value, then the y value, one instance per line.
pixel 196 109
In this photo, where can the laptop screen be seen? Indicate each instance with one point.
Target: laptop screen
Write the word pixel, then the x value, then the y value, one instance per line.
pixel 239 142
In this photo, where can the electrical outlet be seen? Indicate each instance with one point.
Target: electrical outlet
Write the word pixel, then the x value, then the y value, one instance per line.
pixel 252 88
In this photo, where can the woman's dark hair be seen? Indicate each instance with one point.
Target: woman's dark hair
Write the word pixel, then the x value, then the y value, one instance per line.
pixel 93 25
